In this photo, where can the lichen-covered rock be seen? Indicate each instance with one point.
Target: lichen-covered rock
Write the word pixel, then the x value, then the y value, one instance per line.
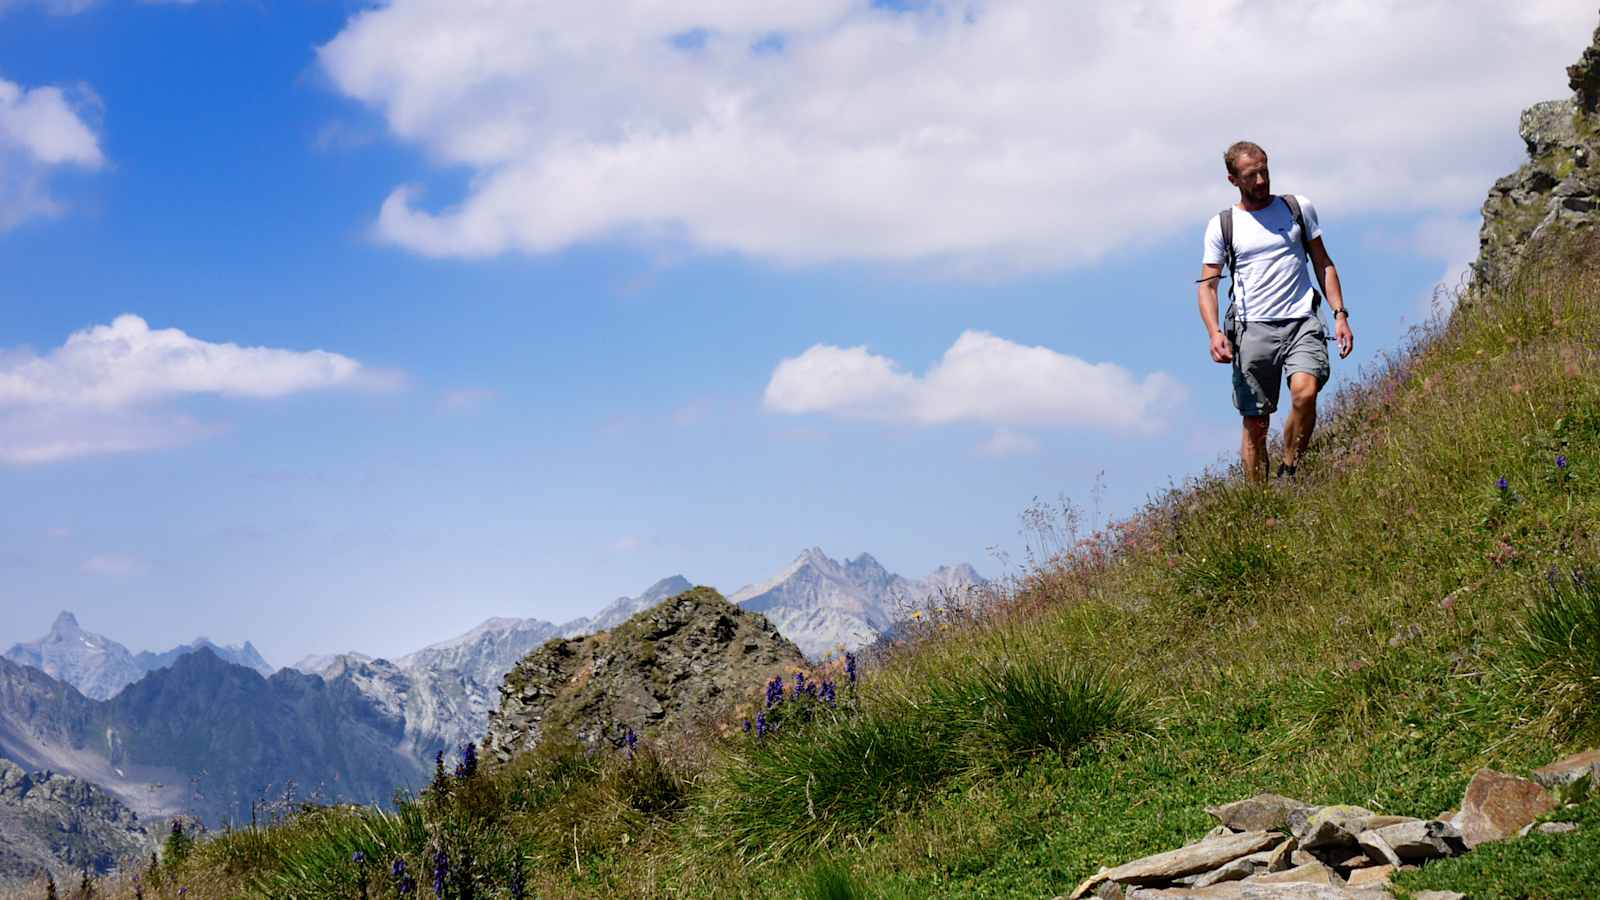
pixel 686 659
pixel 1323 828
pixel 1558 189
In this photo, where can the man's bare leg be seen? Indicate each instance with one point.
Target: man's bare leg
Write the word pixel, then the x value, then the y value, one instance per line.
pixel 1253 447
pixel 1302 416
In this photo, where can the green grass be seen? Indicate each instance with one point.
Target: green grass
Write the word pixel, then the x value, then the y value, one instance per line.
pixel 1372 634
pixel 1536 867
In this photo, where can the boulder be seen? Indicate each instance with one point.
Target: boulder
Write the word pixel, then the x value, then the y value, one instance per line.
pixel 1378 849
pixel 1421 840
pixel 1263 812
pixel 1497 806
pixel 1565 771
pixel 1323 827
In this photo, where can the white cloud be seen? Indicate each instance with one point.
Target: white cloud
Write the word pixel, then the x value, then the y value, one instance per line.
pixel 1025 134
pixel 1006 443
pixel 626 544
pixel 981 378
pixel 102 391
pixel 113 564
pixel 42 130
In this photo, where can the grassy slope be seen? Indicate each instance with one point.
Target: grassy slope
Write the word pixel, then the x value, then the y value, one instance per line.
pixel 1353 638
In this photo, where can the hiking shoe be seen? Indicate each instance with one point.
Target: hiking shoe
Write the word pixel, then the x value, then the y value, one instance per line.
pixel 1285 470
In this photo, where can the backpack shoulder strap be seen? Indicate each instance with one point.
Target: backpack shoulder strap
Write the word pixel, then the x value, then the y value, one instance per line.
pixel 1225 219
pixel 1305 241
pixel 1290 201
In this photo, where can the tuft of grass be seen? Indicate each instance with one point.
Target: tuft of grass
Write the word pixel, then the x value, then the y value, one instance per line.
pixel 1561 649
pixel 832 881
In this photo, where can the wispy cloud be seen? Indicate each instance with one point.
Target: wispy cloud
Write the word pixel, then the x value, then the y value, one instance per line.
pixel 103 391
pixel 1028 134
pixel 981 378
pixel 42 130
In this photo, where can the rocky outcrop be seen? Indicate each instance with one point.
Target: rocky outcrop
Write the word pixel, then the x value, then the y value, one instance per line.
pixel 660 671
pixel 52 822
pixel 1558 189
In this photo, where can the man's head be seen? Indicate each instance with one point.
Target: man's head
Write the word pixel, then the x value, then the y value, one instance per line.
pixel 1247 171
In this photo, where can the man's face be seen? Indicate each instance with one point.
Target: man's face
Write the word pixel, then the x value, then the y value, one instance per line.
pixel 1252 179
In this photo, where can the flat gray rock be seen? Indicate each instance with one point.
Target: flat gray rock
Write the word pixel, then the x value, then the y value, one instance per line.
pixel 1193 859
pixel 1565 771
pixel 1251 890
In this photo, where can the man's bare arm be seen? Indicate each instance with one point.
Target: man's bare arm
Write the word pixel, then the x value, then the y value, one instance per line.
pixel 1328 276
pixel 1206 293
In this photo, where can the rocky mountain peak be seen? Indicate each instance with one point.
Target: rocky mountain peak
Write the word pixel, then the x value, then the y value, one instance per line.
pixel 65 624
pixel 684 660
pixel 1558 189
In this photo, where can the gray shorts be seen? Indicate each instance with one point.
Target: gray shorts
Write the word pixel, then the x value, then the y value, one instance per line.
pixel 1266 353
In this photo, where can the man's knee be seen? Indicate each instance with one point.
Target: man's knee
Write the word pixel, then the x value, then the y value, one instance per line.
pixel 1255 427
pixel 1303 390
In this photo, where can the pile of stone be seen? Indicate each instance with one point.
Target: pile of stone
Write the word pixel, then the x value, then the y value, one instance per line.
pixel 1271 846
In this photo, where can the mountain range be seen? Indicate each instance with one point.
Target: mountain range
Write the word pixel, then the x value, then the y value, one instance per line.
pixel 205 730
pixel 99 667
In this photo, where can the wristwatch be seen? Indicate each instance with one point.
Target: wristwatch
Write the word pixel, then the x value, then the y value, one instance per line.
pixel 1342 311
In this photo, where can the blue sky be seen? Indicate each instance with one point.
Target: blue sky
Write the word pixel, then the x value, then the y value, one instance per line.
pixel 483 311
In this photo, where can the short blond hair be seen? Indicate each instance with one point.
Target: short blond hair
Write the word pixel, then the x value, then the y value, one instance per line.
pixel 1237 151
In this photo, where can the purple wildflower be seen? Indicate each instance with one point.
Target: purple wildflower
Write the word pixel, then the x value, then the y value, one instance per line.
pixel 746 726
pixel 441 869
pixel 517 887
pixel 1561 461
pixel 761 725
pixel 828 693
pixel 632 740
pixel 774 691
pixel 799 682
pixel 1503 484
pixel 850 666
pixel 360 859
pixel 468 766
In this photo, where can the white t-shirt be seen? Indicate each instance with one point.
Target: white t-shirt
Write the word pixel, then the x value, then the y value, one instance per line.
pixel 1273 281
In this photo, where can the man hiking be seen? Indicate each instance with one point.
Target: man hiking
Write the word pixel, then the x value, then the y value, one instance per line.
pixel 1272 328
